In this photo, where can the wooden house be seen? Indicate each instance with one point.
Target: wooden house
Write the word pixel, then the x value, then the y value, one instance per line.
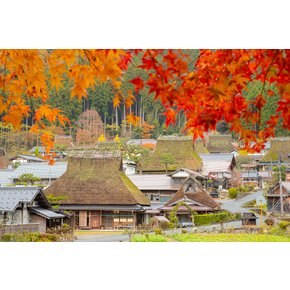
pixel 218 168
pixel 195 197
pixel 182 151
pixel 159 188
pixel 27 208
pixel 252 178
pixel 274 195
pixel 98 193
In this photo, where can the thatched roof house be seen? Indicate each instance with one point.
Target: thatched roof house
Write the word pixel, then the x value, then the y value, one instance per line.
pixel 95 181
pixel 220 144
pixel 193 198
pixel 192 193
pixel 279 146
pixel 180 148
pixel 99 193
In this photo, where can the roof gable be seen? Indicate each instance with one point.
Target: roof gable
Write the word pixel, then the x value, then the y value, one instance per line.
pixel 192 191
pixel 12 196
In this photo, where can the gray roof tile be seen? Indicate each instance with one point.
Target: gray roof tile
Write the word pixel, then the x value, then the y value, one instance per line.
pixel 42 170
pixel 11 196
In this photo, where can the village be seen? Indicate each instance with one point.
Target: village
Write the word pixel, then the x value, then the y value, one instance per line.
pixel 145 189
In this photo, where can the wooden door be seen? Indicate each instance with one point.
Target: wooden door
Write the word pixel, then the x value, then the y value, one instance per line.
pixel 95 219
pixel 83 218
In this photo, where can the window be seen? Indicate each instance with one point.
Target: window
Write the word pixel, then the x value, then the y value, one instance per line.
pixel 77 218
pixel 154 197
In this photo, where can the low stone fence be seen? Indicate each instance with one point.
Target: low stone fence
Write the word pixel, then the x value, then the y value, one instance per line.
pixel 14 229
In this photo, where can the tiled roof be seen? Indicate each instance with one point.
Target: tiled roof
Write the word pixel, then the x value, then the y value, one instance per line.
pixel 30 157
pixel 46 213
pixel 216 162
pixel 42 170
pixel 6 176
pixel 10 197
pixel 152 181
pixel 217 157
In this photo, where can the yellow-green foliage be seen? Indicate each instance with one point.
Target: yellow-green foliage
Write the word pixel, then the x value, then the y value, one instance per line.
pixel 233 192
pixel 229 238
pixel 207 219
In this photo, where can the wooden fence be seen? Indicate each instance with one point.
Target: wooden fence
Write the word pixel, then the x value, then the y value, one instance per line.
pixel 14 229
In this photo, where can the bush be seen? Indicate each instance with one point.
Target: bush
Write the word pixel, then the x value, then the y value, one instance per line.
pixel 269 222
pixel 21 237
pixel 157 231
pixel 283 225
pixel 207 219
pixel 184 231
pixel 233 193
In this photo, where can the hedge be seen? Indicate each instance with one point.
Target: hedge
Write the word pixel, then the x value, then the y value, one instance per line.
pixel 207 219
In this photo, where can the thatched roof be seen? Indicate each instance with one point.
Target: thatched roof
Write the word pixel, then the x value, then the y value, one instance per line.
pixel 278 146
pixel 181 149
pixel 199 146
pixel 220 144
pixel 96 181
pixel 192 190
pixel 3 159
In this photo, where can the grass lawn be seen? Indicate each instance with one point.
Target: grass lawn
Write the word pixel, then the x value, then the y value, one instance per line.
pixel 211 238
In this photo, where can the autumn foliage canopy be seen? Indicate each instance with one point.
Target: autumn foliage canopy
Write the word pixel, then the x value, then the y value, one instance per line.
pixel 209 91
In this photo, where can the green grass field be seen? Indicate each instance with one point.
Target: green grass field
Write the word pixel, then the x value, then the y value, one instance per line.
pixel 211 238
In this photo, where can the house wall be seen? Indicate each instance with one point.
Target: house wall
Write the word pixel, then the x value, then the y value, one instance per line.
pixel 18 217
pixel 39 220
pixel 107 219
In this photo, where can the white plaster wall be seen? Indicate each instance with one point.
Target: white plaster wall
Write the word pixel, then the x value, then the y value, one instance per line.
pixel 35 219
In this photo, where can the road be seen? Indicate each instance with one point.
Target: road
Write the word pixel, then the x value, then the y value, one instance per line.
pixel 103 238
pixel 236 204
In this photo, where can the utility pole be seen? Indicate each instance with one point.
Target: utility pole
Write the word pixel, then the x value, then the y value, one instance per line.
pixel 280 183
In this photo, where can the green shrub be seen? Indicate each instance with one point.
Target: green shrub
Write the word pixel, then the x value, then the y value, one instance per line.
pixel 283 225
pixel 269 222
pixel 233 193
pixel 184 231
pixel 21 237
pixel 157 231
pixel 207 219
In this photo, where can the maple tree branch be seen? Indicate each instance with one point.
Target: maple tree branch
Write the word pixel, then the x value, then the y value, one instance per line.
pixel 90 61
pixel 268 69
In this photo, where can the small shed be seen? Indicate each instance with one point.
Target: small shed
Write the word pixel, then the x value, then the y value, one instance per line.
pixel 249 219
